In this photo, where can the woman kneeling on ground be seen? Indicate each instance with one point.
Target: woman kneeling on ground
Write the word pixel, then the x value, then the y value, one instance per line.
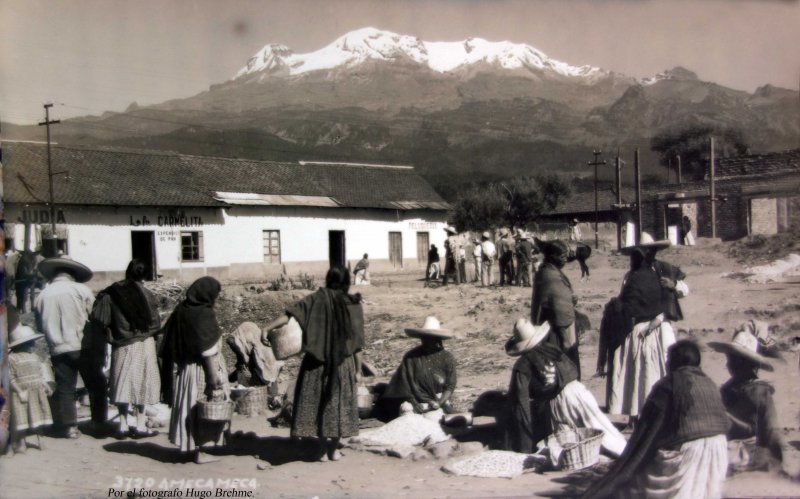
pixel 426 378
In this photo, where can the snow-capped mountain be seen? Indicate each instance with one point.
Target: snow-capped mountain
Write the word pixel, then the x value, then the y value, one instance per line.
pixel 370 44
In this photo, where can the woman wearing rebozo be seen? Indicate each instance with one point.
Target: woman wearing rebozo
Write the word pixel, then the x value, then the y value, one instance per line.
pixel 325 399
pixel 192 342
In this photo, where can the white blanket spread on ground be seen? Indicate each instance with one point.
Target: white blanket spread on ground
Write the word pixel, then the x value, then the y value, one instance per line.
pixel 496 464
pixel 401 435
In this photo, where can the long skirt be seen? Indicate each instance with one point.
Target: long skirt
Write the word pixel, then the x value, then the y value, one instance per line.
pixel 576 407
pixel 186 430
pixel 696 470
pixel 638 364
pixel 134 374
pixel 323 410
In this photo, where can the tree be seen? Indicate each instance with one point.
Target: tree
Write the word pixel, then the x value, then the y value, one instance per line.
pixel 692 145
pixel 514 202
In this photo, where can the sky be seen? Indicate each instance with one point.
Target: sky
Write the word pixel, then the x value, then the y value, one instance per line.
pixel 91 56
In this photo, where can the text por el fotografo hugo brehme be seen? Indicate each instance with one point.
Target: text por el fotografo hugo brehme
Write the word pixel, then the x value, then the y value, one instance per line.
pixel 183 487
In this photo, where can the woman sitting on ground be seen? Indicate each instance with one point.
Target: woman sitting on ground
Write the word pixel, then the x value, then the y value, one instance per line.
pixel 753 437
pixel 545 395
pixel 426 378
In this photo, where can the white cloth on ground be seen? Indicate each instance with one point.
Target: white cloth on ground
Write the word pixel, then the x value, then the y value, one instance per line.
pixel 576 407
pixel 638 364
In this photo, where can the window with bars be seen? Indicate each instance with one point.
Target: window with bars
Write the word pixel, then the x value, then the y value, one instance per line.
pixel 272 246
pixel 192 246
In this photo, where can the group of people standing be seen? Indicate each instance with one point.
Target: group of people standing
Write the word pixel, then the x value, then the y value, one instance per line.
pixel 508 261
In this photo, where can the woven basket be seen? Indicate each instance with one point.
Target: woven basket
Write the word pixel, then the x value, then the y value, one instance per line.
pixel 250 401
pixel 365 402
pixel 286 341
pixel 581 447
pixel 215 411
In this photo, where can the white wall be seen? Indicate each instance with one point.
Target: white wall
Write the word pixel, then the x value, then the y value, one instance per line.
pixel 100 237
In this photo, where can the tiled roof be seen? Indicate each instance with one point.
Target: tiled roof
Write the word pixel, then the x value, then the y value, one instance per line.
pixel 117 177
pixel 759 164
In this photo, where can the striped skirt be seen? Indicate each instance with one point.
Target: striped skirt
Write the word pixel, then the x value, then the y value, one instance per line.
pixel 134 374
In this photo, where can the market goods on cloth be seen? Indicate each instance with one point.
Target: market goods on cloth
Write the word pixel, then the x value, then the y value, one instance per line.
pixel 401 435
pixel 496 464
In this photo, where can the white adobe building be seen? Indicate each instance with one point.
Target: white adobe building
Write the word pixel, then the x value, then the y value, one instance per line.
pixel 234 219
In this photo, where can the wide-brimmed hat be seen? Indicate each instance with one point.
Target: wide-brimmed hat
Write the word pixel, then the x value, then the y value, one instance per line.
pixel 555 247
pixel 450 230
pixel 525 336
pixel 747 341
pixel 486 235
pixel 22 334
pixel 432 328
pixel 52 266
pixel 645 243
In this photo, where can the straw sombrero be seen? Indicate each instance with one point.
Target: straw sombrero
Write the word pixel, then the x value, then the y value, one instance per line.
pixel 432 328
pixel 746 342
pixel 646 243
pixel 22 334
pixel 525 336
pixel 450 230
pixel 486 235
pixel 52 266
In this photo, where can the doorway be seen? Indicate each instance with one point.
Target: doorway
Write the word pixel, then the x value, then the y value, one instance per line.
pixel 143 247
pixel 396 249
pixel 336 247
pixel 423 241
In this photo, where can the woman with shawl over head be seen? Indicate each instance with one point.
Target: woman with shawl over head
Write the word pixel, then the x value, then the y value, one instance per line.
pixel 192 343
pixel 128 314
pixel 325 399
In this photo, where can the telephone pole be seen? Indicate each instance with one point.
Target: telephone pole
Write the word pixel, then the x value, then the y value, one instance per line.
pixel 46 123
pixel 638 180
pixel 619 163
pixel 596 163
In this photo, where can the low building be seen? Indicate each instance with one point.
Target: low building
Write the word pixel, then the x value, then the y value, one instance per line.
pixel 234 219
pixel 756 194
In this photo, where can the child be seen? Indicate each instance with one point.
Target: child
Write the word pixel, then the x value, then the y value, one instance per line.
pixel 30 409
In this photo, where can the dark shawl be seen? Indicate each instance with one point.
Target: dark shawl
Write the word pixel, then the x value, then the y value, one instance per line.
pixel 422 374
pixel 529 419
pixel 191 329
pixel 751 402
pixel 331 333
pixel 669 297
pixel 641 295
pixel 552 297
pixel 126 312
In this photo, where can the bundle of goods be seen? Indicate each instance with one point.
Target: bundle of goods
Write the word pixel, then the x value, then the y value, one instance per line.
pixel 287 341
pixel 250 400
pixel 496 464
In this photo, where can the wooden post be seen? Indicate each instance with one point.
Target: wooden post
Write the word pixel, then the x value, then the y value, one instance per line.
pixel 638 197
pixel 680 180
pixel 713 194
pixel 619 201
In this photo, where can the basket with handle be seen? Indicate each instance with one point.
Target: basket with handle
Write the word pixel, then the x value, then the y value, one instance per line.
pixel 215 410
pixel 581 447
pixel 286 341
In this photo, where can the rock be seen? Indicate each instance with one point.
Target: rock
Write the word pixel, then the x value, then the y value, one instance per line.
pixel 262 466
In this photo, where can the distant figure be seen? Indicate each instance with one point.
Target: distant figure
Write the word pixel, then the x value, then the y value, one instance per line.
pixel 432 272
pixel 361 272
pixel 477 255
pixel 452 255
pixel 488 254
pixel 27 280
pixel 574 230
pixel 524 255
pixel 687 238
pixel 506 247
pixel 582 253
pixel 12 259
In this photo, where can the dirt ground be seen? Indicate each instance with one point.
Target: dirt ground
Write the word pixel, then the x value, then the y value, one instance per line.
pixel 264 461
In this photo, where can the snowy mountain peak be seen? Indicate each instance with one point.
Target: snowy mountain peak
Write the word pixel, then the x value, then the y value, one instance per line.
pixel 366 44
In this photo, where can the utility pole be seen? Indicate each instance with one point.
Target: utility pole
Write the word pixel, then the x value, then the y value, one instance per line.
pixel 680 180
pixel 638 196
pixel 712 192
pixel 47 122
pixel 596 163
pixel 619 199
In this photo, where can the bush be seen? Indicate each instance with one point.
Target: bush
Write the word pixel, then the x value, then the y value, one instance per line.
pixel 301 281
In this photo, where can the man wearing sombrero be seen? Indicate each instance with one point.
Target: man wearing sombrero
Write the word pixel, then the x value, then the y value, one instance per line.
pixel 749 401
pixel 452 255
pixel 62 310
